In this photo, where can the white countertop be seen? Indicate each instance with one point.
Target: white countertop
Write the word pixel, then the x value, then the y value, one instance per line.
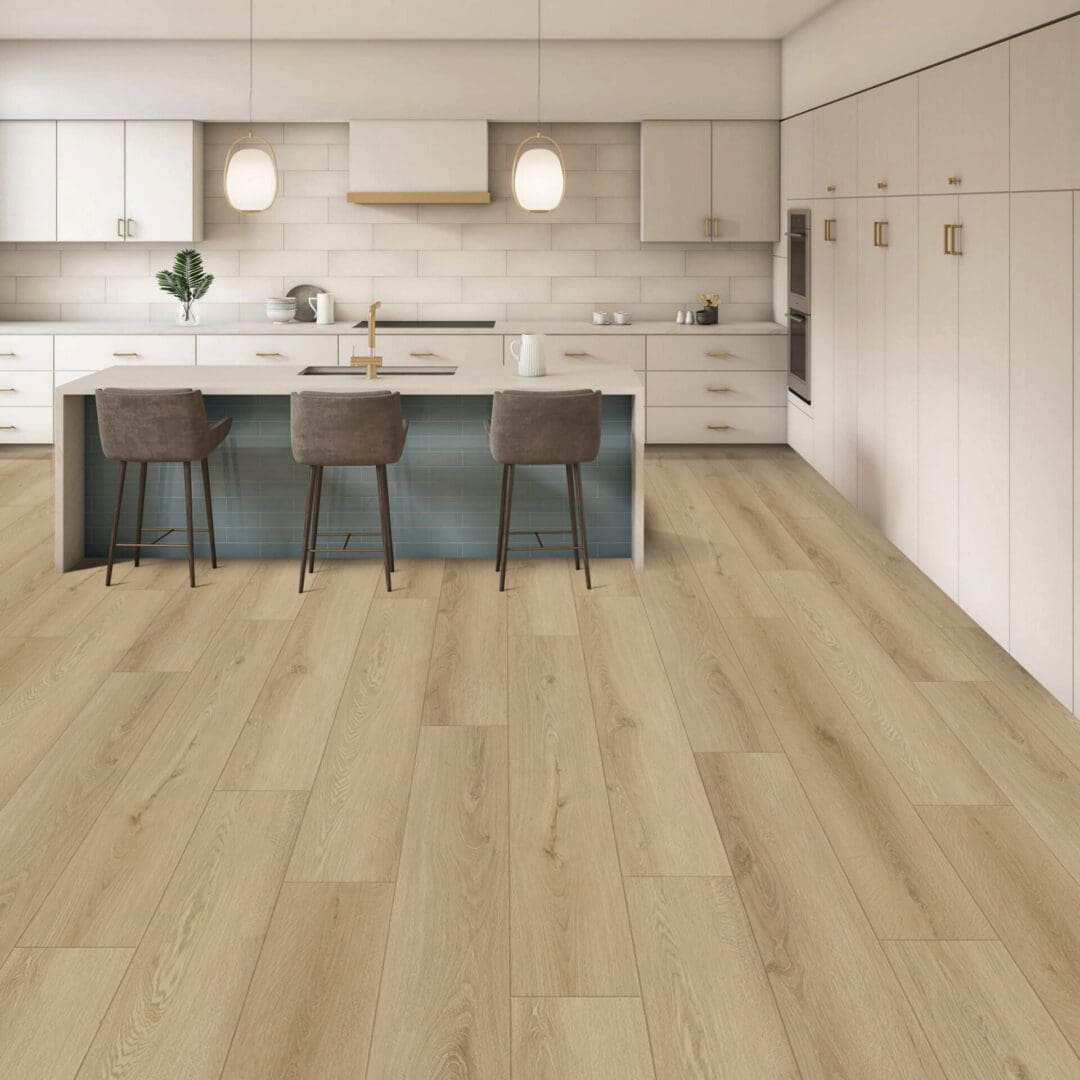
pixel 256 380
pixel 509 328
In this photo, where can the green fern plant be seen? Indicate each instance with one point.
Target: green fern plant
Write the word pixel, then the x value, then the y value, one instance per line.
pixel 187 280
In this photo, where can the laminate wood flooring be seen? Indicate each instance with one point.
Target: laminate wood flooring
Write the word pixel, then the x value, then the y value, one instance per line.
pixel 773 809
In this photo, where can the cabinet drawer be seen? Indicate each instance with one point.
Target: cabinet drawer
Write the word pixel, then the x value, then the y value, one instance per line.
pixel 19 389
pixel 26 352
pixel 33 425
pixel 431 350
pixel 566 352
pixel 92 352
pixel 722 352
pixel 269 349
pixel 722 388
pixel 718 425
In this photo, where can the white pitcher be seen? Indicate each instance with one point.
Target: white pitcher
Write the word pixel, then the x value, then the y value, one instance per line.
pixel 323 306
pixel 529 354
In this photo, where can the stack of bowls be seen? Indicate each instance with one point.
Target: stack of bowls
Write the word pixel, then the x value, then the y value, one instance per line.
pixel 281 309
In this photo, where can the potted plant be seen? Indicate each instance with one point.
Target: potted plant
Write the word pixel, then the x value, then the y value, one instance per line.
pixel 188 282
pixel 710 313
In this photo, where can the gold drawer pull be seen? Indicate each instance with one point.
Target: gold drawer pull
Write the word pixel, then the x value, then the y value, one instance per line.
pixel 954 181
pixel 719 427
pixel 719 355
pixel 125 354
pixel 268 354
pixel 8 354
pixel 830 187
pixel 7 427
pixel 577 355
pixel 882 185
pixel 7 389
pixel 120 228
pixel 421 354
pixel 719 389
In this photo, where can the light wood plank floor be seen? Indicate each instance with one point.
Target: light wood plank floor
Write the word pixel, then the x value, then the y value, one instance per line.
pixel 774 809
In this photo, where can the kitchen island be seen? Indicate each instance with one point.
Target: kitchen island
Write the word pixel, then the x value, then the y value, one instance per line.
pixel 444 491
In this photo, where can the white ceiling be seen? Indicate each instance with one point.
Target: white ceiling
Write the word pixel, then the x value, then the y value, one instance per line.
pixel 406 19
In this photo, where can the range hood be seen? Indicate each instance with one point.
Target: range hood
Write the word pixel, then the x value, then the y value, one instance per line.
pixel 418 161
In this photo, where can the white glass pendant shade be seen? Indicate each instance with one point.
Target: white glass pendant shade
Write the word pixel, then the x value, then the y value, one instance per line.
pixel 539 176
pixel 251 176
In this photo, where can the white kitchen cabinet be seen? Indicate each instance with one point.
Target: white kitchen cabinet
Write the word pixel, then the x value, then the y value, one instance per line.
pixel 26 352
pixel 563 352
pixel 835 140
pixel 938 395
pixel 703 180
pixel 871 360
pixel 1045 90
pixel 983 411
pixel 276 350
pixel 800 428
pixel 797 158
pixel 92 352
pixel 822 333
pixel 716 352
pixel 90 180
pixel 134 180
pixel 723 424
pixel 845 351
pixel 888 138
pixel 467 351
pixel 964 124
pixel 27 180
pixel 1041 431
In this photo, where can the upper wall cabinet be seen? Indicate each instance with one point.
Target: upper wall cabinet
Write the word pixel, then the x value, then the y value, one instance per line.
pixel 835 156
pixel 888 138
pixel 710 180
pixel 128 180
pixel 27 180
pixel 797 157
pixel 1045 119
pixel 964 124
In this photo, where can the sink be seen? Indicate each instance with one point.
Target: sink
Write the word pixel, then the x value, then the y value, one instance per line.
pixel 390 370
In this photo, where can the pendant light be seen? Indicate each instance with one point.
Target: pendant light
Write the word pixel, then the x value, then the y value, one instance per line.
pixel 538 179
pixel 251 175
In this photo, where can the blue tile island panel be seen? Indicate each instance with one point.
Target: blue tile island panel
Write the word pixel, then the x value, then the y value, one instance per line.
pixel 444 493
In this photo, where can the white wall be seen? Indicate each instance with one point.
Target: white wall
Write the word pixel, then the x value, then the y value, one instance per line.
pixel 307 81
pixel 855 44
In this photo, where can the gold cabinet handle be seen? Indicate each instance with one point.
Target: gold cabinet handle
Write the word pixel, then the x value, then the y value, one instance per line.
pixel 879 234
pixel 120 227
pixel 708 228
pixel 718 389
pixel 130 227
pixel 7 427
pixel 718 427
pixel 8 354
pixel 830 187
pixel 882 185
pixel 945 241
pixel 719 355
pixel 125 354
pixel 716 228
pixel 7 389
pixel 954 181
pixel 419 355
pixel 577 355
pixel 268 354
pixel 953 249
pixel 830 234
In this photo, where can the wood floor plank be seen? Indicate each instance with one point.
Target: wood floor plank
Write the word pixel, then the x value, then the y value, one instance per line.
pixel 47 818
pixel 784 491
pixel 20 658
pixel 844 1012
pixel 43 705
pixel 29 533
pixel 282 742
pixel 759 532
pixel 271 592
pixel 355 820
pixel 467 680
pixel 929 762
pixel 109 890
pixel 25 580
pixel 1039 781
pixel 539 597
pixel 718 705
pixel 569 931
pixel 27 482
pixel 1029 898
pixel 711 1011
pixel 445 997
pixel 980 1014
pixel 309 1011
pixel 1023 689
pixel 906 886
pixel 418 579
pixel 731 582
pixel 177 637
pixel 178 1004
pixel 661 816
pixel 51 1002
pixel 610 577
pixel 583 1038
pixel 915 642
pixel 57 611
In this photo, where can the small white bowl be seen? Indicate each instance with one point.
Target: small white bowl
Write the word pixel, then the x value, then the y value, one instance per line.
pixel 622 318
pixel 281 309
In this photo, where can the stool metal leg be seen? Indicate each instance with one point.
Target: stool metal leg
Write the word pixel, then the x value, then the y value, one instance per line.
pixel 209 512
pixel 190 524
pixel 115 523
pixel 315 516
pixel 502 516
pixel 139 513
pixel 306 543
pixel 384 519
pixel 504 542
pixel 573 515
pixel 384 481
pixel 581 524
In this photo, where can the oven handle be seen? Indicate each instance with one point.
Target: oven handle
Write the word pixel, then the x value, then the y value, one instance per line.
pixel 796 315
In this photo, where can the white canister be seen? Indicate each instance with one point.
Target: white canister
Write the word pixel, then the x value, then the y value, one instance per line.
pixel 323 306
pixel 529 354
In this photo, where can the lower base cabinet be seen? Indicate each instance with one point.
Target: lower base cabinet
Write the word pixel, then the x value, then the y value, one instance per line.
pixel 764 424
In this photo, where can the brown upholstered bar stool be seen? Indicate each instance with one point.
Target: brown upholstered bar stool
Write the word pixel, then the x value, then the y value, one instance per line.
pixel 530 427
pixel 159 426
pixel 347 429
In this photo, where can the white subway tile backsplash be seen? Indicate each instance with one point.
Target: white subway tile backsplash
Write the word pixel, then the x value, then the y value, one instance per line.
pixel 56 290
pixel 29 312
pixel 8 289
pixel 597 133
pixel 286 210
pixel 324 134
pixel 548 312
pixel 415 290
pixel 623 290
pixel 461 311
pixel 571 211
pixel 30 263
pixel 373 263
pixel 551 263
pixel 595 237
pixel 729 261
pixel 135 313
pixel 751 290
pixel 374 213
pixel 218 263
pixel 609 185
pixel 463 213
pixel 683 290
pixel 417 237
pixel 624 156
pixel 243 236
pixel 506 237
pixel 284 263
pixel 462 263
pixel 506 290
pixel 223 134
pixel 333 237
pixel 337 156
pixel 117 262
pixel 310 183
pixel 643 263
pixel 210 313
pixel 618 211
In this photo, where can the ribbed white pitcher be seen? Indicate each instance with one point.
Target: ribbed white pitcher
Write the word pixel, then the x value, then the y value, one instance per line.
pixel 529 354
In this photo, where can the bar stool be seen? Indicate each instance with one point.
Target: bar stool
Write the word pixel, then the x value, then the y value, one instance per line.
pixel 346 429
pixel 530 427
pixel 159 426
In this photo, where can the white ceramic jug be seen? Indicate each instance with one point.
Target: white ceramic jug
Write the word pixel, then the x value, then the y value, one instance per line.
pixel 529 354
pixel 323 306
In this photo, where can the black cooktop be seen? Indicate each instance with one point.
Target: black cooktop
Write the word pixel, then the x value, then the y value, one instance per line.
pixel 431 324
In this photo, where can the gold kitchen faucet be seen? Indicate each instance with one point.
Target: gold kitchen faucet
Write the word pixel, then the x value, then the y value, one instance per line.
pixel 371 361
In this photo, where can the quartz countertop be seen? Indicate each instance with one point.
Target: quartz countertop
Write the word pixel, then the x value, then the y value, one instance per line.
pixel 500 328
